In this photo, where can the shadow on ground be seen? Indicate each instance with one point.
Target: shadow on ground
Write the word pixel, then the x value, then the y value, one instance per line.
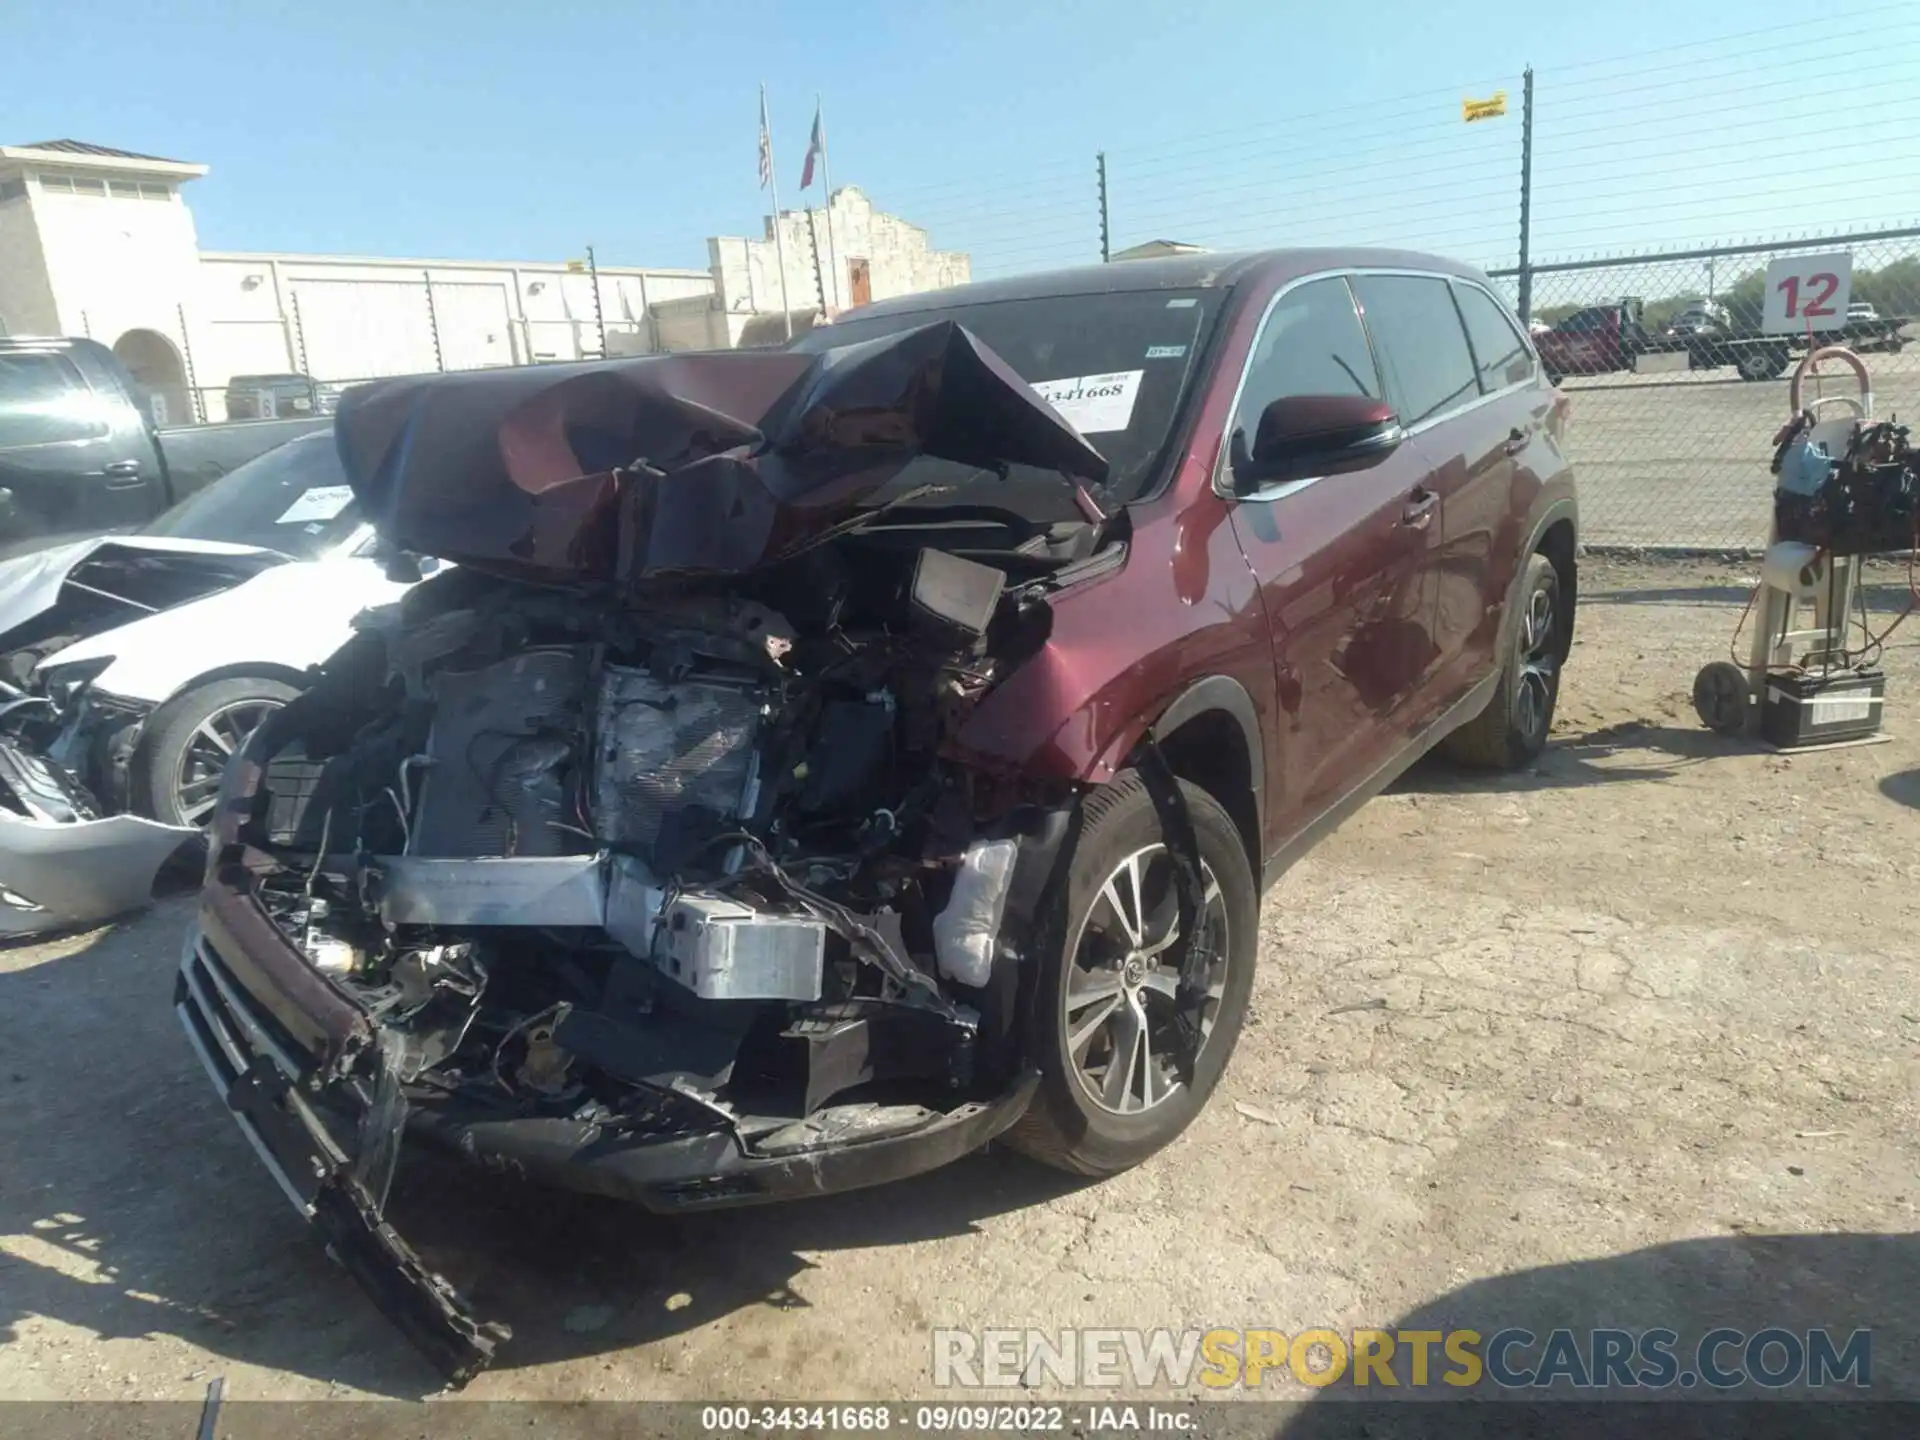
pixel 1903 788
pixel 1607 756
pixel 137 1208
pixel 1796 1283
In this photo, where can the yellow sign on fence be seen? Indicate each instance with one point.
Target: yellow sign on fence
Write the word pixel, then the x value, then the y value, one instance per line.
pixel 1471 110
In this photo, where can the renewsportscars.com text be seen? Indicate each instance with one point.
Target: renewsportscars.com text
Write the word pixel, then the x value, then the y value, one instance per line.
pixel 1586 1361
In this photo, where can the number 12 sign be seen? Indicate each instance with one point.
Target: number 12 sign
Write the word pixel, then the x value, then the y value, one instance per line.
pixel 1807 292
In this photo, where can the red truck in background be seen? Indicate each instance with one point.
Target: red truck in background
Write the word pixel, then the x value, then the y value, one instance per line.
pixel 1602 338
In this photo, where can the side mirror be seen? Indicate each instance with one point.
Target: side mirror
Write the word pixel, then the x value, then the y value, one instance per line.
pixel 1303 435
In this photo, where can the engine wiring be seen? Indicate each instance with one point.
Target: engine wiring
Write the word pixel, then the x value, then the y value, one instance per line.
pixel 1877 643
pixel 862 936
pixel 554 1012
pixel 1871 645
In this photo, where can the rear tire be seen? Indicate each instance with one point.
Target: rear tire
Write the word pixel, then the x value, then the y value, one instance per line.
pixel 1512 730
pixel 183 747
pixel 1094 1000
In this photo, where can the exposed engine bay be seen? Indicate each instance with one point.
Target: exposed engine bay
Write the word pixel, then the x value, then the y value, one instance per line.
pixel 638 852
pixel 590 857
pixel 666 839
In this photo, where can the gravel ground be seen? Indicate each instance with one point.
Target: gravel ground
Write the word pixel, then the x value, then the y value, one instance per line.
pixel 1627 1039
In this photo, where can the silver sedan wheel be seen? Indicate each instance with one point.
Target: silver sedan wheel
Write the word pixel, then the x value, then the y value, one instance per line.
pixel 196 781
pixel 1124 1009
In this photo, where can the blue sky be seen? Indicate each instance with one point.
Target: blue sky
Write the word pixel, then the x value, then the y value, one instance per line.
pixel 488 130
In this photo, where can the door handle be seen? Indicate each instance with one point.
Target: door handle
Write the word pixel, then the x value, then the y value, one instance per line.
pixel 1419 507
pixel 122 474
pixel 1516 442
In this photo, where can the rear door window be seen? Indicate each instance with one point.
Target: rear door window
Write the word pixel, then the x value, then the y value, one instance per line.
pixel 44 400
pixel 1421 344
pixel 1497 347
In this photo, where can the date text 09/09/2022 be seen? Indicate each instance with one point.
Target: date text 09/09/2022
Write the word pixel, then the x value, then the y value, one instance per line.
pixel 938 1419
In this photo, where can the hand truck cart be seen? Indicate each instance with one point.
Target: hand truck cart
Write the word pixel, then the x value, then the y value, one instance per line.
pixel 1799 686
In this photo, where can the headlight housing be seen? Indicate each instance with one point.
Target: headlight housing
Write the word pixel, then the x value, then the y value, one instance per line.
pixel 65 682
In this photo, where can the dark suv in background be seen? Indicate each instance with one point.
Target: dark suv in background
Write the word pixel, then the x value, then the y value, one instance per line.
pixel 817 763
pixel 80 454
pixel 273 397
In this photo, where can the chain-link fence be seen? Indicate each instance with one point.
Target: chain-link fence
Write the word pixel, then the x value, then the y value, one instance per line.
pixel 1678 387
pixel 1656 156
pixel 1659 157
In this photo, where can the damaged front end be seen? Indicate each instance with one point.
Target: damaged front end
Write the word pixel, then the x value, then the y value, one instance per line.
pixel 629 856
pixel 64 861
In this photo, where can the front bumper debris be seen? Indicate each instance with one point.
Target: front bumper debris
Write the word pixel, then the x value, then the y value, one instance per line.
pixel 260 1067
pixel 252 1068
pixel 59 873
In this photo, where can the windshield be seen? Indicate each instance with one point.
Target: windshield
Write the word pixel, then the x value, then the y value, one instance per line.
pixel 293 499
pixel 1116 365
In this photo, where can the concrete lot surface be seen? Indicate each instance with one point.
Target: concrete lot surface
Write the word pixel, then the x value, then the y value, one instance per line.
pixel 1629 1039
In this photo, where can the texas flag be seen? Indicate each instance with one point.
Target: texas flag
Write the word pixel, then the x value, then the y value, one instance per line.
pixel 815 148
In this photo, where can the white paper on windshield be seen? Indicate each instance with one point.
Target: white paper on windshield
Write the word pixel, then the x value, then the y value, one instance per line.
pixel 1093 403
pixel 323 502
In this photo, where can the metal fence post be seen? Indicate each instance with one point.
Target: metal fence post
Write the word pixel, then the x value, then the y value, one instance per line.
pixel 299 333
pixel 193 383
pixel 1105 234
pixel 433 323
pixel 599 320
pixel 1526 197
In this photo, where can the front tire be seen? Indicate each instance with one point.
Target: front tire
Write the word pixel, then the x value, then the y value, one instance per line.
pixel 1512 730
pixel 185 745
pixel 1104 1015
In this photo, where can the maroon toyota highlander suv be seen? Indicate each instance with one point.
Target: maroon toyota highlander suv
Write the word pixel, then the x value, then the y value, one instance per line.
pixel 815 763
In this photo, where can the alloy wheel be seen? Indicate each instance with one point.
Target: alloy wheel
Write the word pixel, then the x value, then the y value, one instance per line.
pixel 1124 1008
pixel 196 781
pixel 1539 663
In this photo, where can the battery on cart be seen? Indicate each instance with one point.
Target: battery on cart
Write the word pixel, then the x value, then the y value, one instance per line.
pixel 1820 709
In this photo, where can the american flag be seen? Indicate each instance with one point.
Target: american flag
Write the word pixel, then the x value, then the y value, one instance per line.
pixel 766 143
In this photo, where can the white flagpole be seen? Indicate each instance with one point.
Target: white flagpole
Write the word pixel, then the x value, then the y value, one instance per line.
pixel 773 188
pixel 826 183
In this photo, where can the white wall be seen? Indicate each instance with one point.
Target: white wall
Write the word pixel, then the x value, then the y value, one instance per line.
pixel 107 264
pixel 900 259
pixel 345 318
pixel 692 323
pixel 26 298
pixel 116 264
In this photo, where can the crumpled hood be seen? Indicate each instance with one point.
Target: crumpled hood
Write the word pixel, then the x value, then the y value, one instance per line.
pixel 681 465
pixel 148 574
